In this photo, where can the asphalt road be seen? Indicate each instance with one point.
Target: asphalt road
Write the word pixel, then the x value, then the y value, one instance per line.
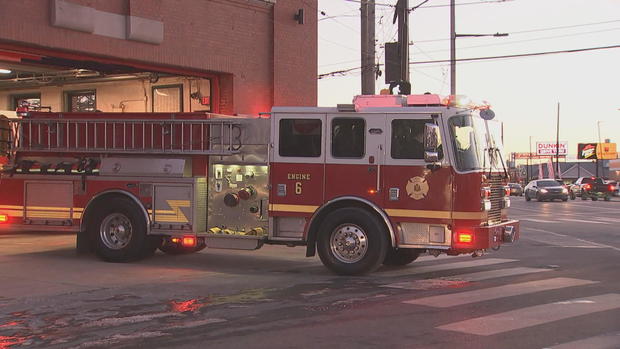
pixel 558 287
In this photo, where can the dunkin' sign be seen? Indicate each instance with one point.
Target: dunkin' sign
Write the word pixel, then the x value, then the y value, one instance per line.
pixel 549 148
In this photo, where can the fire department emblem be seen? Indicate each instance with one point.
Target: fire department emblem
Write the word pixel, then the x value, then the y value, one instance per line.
pixel 417 188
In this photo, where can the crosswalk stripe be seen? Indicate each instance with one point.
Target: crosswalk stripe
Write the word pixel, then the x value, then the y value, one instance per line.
pixel 606 341
pixel 446 266
pixel 492 274
pixel 468 297
pixel 581 221
pixel 535 315
pixel 537 220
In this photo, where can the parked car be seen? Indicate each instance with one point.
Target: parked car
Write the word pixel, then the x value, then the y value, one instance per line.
pixel 545 189
pixel 591 188
pixel 515 189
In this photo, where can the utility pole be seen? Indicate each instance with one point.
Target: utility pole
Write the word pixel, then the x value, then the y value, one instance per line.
pixel 402 9
pixel 452 50
pixel 557 145
pixel 368 46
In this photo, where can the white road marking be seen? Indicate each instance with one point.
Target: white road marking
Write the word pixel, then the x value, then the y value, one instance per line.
pixel 492 274
pixel 468 297
pixel 581 221
pixel 537 220
pixel 589 244
pixel 606 341
pixel 461 279
pixel 533 316
pixel 445 266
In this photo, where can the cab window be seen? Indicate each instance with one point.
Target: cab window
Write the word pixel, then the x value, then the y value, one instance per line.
pixel 408 138
pixel 300 138
pixel 348 138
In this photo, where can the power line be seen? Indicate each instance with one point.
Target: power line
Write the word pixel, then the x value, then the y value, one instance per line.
pixel 521 55
pixel 536 30
pixel 434 6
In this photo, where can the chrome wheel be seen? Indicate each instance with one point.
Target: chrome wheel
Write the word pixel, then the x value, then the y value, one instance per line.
pixel 349 243
pixel 115 231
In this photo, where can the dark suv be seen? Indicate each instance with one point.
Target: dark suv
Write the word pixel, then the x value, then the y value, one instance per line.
pixel 545 189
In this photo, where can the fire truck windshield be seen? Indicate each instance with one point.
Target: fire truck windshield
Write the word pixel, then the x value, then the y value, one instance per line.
pixel 475 145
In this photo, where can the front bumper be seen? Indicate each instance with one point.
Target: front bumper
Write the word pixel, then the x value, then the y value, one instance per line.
pixel 491 236
pixel 551 196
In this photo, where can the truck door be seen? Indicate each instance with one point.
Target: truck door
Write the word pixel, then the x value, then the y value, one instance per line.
pixel 414 191
pixel 297 164
pixel 355 150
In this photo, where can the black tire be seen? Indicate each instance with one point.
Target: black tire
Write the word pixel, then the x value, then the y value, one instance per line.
pixel 365 233
pixel 401 256
pixel 594 198
pixel 175 249
pixel 527 197
pixel 116 228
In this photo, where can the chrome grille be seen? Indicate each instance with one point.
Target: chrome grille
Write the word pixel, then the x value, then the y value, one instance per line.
pixel 497 196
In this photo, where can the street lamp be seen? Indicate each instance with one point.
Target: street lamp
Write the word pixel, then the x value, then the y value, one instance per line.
pixel 453 36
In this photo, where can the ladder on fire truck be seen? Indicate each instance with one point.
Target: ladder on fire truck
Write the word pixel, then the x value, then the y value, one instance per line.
pixel 220 136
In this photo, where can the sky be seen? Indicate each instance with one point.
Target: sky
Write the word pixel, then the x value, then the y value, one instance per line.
pixel 524 92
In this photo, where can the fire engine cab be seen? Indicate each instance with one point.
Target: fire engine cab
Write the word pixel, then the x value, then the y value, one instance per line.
pixel 378 181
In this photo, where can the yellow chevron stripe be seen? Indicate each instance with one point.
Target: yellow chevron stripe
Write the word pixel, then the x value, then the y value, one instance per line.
pixel 293 208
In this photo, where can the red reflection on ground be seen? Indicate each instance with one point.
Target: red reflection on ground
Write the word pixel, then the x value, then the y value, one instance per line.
pixel 10 324
pixel 9 341
pixel 188 305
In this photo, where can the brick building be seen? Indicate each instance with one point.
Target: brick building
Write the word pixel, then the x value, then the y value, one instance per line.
pixel 224 56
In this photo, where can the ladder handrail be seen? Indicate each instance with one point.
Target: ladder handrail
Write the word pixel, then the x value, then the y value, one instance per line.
pixel 157 136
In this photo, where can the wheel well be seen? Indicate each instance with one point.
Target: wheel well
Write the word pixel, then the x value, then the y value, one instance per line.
pixel 118 194
pixel 341 203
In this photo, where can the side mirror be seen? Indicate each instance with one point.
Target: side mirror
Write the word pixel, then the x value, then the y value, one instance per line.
pixel 431 143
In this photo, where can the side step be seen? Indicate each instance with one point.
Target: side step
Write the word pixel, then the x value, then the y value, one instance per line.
pixel 234 242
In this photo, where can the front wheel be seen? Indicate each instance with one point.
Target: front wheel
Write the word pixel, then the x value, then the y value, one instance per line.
pixel 401 256
pixel 352 241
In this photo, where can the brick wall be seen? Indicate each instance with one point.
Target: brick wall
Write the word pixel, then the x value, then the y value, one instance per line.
pixel 262 56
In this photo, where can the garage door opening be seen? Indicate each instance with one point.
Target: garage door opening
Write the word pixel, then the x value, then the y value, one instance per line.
pixel 42 82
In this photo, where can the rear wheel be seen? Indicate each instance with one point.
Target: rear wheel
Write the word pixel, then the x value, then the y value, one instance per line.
pixel 117 231
pixel 401 256
pixel 352 241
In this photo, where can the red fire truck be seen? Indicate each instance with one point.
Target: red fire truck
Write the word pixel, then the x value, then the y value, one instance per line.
pixel 381 180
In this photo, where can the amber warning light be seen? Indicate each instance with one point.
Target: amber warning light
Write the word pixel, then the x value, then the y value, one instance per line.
pixel 189 241
pixel 466 238
pixel 4 218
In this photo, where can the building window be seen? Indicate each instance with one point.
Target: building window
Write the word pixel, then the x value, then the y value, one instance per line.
pixel 300 138
pixel 32 101
pixel 348 138
pixel 168 99
pixel 82 101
